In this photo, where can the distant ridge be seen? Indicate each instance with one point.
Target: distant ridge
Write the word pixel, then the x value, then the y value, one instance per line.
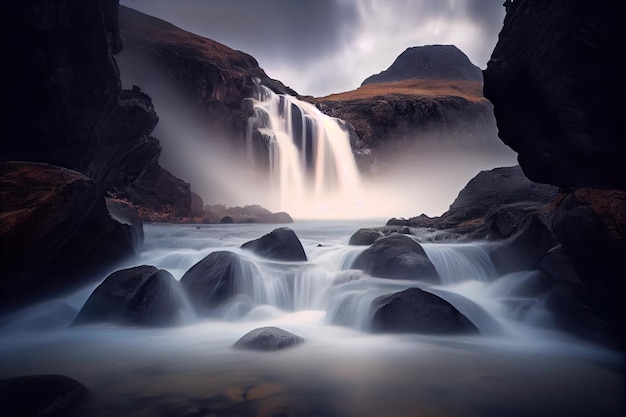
pixel 441 62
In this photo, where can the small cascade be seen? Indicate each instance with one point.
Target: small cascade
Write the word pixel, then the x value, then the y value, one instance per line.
pixel 456 262
pixel 306 154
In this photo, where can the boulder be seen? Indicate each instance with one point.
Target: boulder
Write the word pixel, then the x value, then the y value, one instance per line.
pixel 143 295
pixel 416 311
pixel 213 280
pixel 551 79
pixel 397 256
pixel 280 244
pixel 40 395
pixel 365 236
pixel 268 339
pixel 55 233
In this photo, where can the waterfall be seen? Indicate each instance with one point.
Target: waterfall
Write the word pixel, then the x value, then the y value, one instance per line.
pixel 306 155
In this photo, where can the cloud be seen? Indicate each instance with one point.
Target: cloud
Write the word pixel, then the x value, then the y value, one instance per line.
pixel 325 46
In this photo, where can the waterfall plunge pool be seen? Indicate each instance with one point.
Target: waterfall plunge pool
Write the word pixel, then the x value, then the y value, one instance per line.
pixel 515 367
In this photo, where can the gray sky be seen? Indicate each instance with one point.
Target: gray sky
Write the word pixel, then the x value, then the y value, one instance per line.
pixel 319 47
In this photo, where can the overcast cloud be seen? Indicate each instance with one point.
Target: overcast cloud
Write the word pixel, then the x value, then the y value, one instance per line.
pixel 319 47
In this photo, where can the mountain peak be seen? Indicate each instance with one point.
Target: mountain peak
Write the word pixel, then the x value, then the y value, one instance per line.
pixel 443 62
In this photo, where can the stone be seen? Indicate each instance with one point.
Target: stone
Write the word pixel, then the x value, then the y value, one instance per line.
pixel 416 311
pixel 365 236
pixel 138 296
pixel 55 233
pixel 280 244
pixel 40 395
pixel 397 257
pixel 268 339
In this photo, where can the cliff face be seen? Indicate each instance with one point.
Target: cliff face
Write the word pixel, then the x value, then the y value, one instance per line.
pixel 213 79
pixel 553 79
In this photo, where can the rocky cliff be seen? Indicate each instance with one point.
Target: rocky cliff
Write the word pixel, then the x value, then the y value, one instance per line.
pixel 212 78
pixel 553 79
pixel 429 99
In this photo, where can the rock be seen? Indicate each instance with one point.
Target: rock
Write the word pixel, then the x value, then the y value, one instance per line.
pixel 280 244
pixel 39 395
pixel 246 214
pixel 226 220
pixel 55 233
pixel 140 296
pixel 125 213
pixel 197 205
pixel 365 236
pixel 524 249
pixel 416 311
pixel 397 257
pixel 559 266
pixel 213 280
pixel 439 62
pixel 491 189
pixel 591 227
pixel 214 78
pixel 552 84
pixel 268 339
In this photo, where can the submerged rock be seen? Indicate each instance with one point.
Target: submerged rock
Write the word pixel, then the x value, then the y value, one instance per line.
pixel 39 395
pixel 143 295
pixel 268 339
pixel 213 280
pixel 416 311
pixel 280 244
pixel 397 256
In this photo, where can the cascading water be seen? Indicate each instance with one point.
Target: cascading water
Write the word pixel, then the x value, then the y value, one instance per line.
pixel 347 371
pixel 307 155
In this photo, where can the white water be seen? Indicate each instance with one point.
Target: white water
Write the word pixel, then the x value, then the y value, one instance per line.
pixel 312 172
pixel 518 365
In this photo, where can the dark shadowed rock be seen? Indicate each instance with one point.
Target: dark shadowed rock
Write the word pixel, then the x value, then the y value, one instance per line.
pixel 365 236
pixel 440 62
pixel 213 280
pixel 39 395
pixel 280 244
pixel 591 227
pixel 197 205
pixel 247 214
pixel 398 257
pixel 268 339
pixel 552 81
pixel 55 232
pixel 143 295
pixel 416 311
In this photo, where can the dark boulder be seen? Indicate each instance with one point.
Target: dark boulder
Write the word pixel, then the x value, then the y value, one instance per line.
pixel 365 236
pixel 416 311
pixel 591 227
pixel 552 81
pixel 56 232
pixel 397 256
pixel 490 189
pixel 268 339
pixel 226 220
pixel 39 395
pixel 214 280
pixel 440 62
pixel 280 244
pixel 143 295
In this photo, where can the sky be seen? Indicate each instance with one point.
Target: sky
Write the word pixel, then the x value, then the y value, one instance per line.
pixel 320 47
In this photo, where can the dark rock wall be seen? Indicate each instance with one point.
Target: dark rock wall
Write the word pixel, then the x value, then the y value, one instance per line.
pixel 555 79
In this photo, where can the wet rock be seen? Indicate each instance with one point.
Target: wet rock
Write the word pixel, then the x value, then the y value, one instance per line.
pixel 397 256
pixel 143 295
pixel 125 213
pixel 214 280
pixel 365 236
pixel 268 339
pixel 416 311
pixel 39 395
pixel 280 244
pixel 56 232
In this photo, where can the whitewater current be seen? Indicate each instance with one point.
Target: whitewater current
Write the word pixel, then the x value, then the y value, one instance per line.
pixel 519 365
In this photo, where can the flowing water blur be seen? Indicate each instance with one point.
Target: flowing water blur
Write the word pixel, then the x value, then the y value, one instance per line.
pixel 519 365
